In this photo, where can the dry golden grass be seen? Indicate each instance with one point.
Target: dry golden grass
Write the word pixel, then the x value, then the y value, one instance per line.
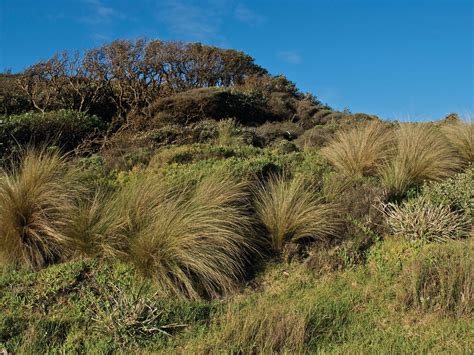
pixel 360 150
pixel 461 136
pixel 37 201
pixel 422 153
pixel 291 211
pixel 191 240
pixel 94 227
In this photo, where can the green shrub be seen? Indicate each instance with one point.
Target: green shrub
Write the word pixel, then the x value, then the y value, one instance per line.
pixel 271 132
pixel 66 129
pixel 457 193
pixel 440 279
pixel 316 137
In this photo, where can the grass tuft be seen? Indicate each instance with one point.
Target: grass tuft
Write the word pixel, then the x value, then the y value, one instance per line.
pixel 37 201
pixel 191 240
pixel 360 150
pixel 422 153
pixel 291 212
pixel 461 136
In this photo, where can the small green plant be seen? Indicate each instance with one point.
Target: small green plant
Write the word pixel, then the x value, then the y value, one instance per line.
pixel 128 317
pixel 37 201
pixel 421 219
pixel 291 211
pixel 456 193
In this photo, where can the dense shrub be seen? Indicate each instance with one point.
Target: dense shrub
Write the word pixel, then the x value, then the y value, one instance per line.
pixel 316 137
pixel 205 103
pixel 456 193
pixel 65 129
pixel 12 100
pixel 37 202
pixel 273 132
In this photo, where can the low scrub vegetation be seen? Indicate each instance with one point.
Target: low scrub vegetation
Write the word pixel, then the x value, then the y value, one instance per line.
pixel 420 219
pixel 186 201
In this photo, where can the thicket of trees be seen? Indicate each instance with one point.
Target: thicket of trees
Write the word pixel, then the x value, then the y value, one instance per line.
pixel 126 76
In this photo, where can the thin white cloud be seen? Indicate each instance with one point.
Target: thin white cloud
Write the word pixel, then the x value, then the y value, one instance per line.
pixel 190 21
pixel 247 16
pixel 100 13
pixel 290 57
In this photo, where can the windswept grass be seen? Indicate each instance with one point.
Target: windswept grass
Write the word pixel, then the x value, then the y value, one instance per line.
pixel 37 201
pixel 191 240
pixel 360 150
pixel 422 153
pixel 291 211
pixel 94 226
pixel 461 136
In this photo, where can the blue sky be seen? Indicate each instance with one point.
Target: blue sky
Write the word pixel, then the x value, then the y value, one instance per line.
pixel 399 59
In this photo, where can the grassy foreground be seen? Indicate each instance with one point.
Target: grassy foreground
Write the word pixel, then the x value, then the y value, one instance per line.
pixel 101 307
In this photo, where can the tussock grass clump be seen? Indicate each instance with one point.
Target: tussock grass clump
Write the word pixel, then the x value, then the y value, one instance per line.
pixel 421 219
pixel 422 153
pixel 461 136
pixel 291 211
pixel 192 240
pixel 37 201
pixel 440 279
pixel 227 132
pixel 95 226
pixel 360 150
